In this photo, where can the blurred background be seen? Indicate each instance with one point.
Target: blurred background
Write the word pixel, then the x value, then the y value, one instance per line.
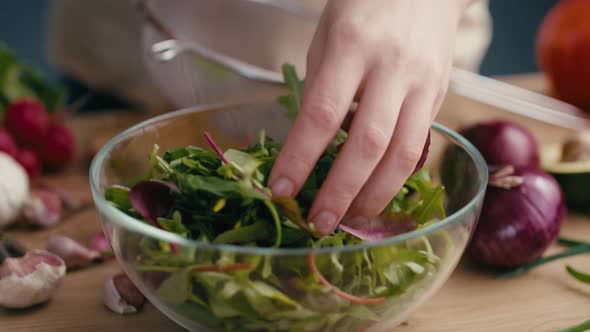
pixel 23 26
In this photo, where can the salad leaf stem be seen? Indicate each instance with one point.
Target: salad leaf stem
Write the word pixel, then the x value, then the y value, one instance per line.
pixel 215 147
pixel 585 326
pixel 197 268
pixel 277 220
pixel 583 248
pixel 292 102
pixel 157 268
pixel 581 276
pixel 340 293
pixel 219 268
pixel 569 242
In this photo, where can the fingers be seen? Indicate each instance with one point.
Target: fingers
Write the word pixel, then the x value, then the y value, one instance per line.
pixel 401 157
pixel 369 137
pixel 325 103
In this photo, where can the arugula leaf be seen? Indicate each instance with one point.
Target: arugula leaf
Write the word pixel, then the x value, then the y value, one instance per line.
pixel 278 227
pixel 176 289
pixel 431 197
pixel 119 197
pixel 260 230
pixel 292 102
pixel 193 183
pixel 158 165
pixel 174 225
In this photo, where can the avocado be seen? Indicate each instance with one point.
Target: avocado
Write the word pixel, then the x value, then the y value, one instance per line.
pixel 573 176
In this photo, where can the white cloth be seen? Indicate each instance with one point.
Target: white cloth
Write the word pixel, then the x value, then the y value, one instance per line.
pixel 100 42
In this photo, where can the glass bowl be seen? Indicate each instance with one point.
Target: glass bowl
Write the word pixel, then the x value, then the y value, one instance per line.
pixel 279 291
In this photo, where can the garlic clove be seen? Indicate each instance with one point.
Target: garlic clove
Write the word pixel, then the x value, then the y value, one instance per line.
pixel 43 208
pixel 73 253
pixel 69 201
pixel 121 296
pixel 30 280
pixel 101 244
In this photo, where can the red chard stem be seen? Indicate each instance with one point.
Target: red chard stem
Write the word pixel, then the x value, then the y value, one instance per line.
pixel 215 147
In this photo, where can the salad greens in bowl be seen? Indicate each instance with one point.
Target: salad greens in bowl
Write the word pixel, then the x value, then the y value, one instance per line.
pixel 185 205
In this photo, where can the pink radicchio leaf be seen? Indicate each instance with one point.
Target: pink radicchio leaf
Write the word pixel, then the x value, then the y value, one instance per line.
pixel 72 252
pixel 42 208
pixel 378 228
pixel 152 199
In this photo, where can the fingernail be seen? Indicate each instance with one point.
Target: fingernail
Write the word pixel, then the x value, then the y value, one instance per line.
pixel 355 221
pixel 282 187
pixel 324 222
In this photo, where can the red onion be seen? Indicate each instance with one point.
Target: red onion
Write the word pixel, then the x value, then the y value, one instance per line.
pixel 522 214
pixel 503 143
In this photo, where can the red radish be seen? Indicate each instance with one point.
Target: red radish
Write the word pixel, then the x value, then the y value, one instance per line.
pixel 58 147
pixel 27 120
pixel 7 144
pixel 29 161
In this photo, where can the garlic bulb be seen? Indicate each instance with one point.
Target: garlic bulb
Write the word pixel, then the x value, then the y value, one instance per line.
pixel 31 279
pixel 14 189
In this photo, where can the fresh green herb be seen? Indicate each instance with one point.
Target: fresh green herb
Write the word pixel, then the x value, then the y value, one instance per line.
pixel 582 248
pixel 222 197
pixel 582 327
pixel 18 80
pixel 581 276
pixel 568 242
pixel 292 102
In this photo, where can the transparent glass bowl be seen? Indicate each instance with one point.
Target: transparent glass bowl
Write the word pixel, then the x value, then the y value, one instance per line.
pixel 418 262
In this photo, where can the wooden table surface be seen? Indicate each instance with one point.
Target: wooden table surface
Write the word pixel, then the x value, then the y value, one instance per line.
pixel 544 300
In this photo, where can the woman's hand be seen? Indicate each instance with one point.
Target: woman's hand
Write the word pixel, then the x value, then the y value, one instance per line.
pixel 395 57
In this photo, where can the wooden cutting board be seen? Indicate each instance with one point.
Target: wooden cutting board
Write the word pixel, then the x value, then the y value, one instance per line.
pixel 544 300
